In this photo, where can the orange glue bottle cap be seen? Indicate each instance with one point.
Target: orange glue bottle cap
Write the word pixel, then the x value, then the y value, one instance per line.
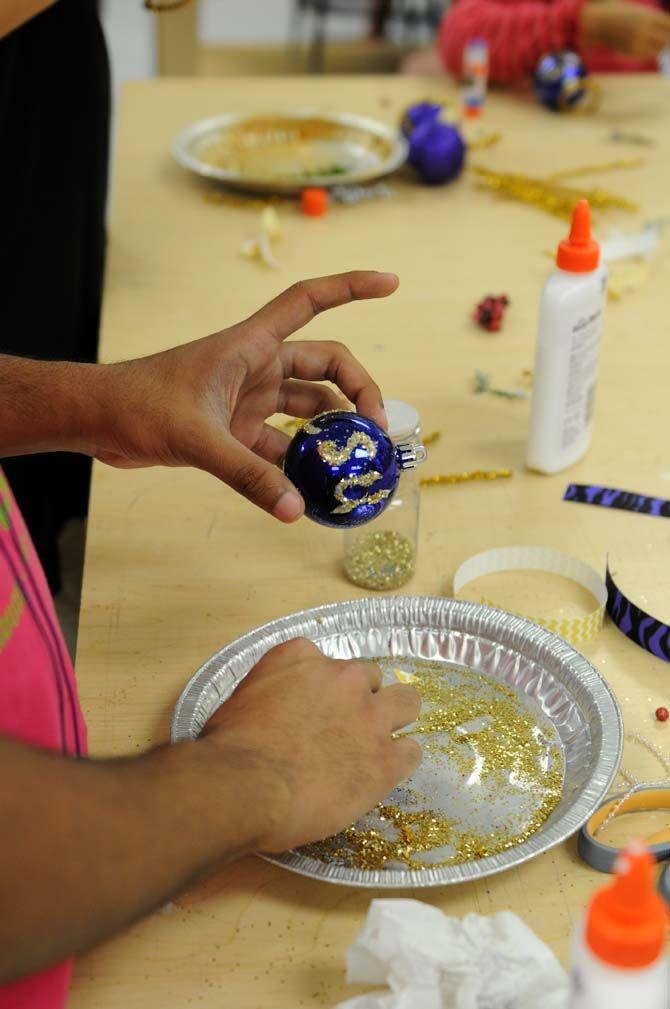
pixel 579 253
pixel 314 202
pixel 627 921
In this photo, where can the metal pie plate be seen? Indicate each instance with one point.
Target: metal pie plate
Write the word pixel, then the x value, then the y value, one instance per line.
pixel 542 668
pixel 286 152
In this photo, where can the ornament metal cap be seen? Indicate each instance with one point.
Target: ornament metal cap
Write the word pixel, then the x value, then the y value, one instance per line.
pixel 410 455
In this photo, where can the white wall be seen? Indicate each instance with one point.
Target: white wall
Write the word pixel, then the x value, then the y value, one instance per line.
pixel 130 32
pixel 261 21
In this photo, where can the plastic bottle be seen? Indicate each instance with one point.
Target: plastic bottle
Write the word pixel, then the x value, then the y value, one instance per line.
pixel 382 554
pixel 619 957
pixel 568 351
pixel 475 77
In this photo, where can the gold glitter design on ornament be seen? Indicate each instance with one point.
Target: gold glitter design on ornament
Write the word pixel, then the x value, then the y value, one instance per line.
pixel 335 456
pixel 311 426
pixel 380 560
pixel 482 727
pixel 360 480
pixel 548 194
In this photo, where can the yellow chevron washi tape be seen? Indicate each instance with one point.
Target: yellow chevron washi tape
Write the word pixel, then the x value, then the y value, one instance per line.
pixel 578 630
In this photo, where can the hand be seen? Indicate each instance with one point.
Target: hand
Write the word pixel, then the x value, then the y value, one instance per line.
pixel 205 404
pixel 627 28
pixel 423 62
pixel 318 733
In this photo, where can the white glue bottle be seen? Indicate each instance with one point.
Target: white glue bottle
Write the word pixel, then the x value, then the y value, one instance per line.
pixel 619 957
pixel 568 351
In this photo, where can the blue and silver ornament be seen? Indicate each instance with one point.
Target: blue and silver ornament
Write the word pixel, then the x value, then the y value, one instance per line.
pixel 561 81
pixel 346 468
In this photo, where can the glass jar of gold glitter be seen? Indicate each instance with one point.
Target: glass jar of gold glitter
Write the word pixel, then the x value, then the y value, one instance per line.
pixel 382 554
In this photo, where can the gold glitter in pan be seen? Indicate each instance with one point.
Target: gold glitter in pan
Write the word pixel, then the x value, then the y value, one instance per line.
pixel 492 774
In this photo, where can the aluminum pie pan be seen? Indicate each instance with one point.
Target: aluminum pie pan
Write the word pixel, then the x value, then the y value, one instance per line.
pixel 528 658
pixel 368 148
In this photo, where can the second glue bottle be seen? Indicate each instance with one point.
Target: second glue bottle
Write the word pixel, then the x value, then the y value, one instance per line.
pixel 619 954
pixel 568 351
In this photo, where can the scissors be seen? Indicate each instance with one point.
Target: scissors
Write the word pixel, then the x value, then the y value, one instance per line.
pixel 645 798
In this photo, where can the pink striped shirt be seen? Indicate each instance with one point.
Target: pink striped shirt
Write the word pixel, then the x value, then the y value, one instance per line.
pixel 519 32
pixel 38 695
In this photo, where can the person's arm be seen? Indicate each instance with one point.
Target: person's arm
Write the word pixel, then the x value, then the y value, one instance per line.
pixel 303 748
pixel 518 34
pixel 203 404
pixel 631 29
pixel 14 13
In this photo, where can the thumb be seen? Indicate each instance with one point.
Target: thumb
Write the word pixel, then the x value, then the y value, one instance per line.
pixel 255 479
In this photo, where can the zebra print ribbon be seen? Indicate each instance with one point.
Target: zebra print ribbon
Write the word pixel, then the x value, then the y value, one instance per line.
pixel 610 497
pixel 645 630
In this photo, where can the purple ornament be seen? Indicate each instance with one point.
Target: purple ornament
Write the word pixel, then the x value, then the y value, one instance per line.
pixel 437 152
pixel 418 115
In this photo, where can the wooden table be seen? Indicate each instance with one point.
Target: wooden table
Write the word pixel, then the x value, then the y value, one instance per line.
pixel 177 565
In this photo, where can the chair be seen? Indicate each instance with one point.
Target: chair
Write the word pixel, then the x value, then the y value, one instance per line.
pixel 413 17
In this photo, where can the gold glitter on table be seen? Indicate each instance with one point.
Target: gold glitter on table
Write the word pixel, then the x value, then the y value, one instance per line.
pixel 491 776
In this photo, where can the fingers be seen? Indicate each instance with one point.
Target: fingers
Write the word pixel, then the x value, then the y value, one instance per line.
pixel 372 674
pixel 297 306
pixel 307 399
pixel 652 36
pixel 401 705
pixel 327 360
pixel 661 37
pixel 252 477
pixel 272 444
pixel 297 649
pixel 649 44
pixel 407 755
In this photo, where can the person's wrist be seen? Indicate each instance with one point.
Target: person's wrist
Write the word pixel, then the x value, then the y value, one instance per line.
pixel 243 787
pixel 99 406
pixel 65 419
pixel 72 405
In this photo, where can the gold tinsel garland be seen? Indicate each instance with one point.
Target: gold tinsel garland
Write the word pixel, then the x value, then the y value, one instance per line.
pixel 466 477
pixel 548 194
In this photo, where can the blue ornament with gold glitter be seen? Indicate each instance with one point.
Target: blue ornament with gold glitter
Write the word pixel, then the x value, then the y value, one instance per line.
pixel 561 81
pixel 346 468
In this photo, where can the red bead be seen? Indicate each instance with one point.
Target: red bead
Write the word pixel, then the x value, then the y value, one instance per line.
pixel 662 714
pixel 490 311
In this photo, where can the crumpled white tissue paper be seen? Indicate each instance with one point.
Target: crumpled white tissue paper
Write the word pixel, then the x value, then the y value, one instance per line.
pixel 430 961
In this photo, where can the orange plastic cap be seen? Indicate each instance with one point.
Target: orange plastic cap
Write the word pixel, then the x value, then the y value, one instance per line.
pixel 627 921
pixel 314 202
pixel 579 253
